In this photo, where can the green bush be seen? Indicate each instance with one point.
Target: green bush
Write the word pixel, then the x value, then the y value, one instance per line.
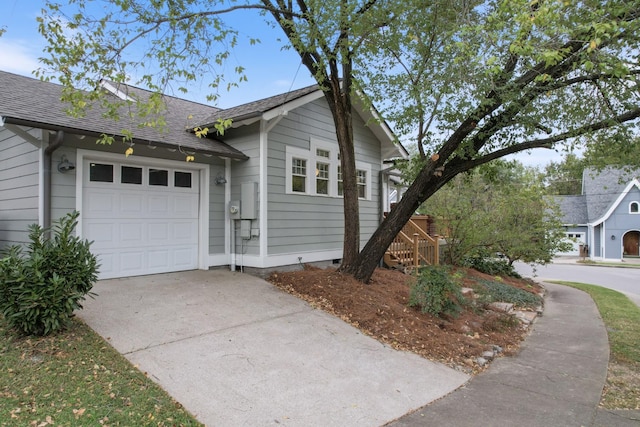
pixel 484 263
pixel 490 291
pixel 40 289
pixel 436 293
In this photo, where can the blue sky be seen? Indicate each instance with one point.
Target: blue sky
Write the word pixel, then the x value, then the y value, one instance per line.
pixel 270 69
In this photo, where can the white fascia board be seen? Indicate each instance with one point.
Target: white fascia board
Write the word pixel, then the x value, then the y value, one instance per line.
pixel 115 91
pixel 615 204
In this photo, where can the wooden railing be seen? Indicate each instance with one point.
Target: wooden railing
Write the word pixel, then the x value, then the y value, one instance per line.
pixel 412 248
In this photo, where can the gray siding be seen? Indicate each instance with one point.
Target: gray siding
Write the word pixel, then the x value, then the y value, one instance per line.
pixel 619 223
pixel 216 208
pixel 247 140
pixel 63 185
pixel 303 223
pixel 19 187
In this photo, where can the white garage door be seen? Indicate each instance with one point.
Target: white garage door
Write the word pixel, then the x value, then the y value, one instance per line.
pixel 141 219
pixel 576 239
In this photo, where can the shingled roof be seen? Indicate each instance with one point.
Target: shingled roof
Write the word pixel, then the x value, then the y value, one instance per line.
pixel 256 108
pixel 600 190
pixel 31 102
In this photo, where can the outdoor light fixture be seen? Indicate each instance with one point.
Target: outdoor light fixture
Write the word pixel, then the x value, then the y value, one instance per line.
pixel 613 237
pixel 65 165
pixel 220 179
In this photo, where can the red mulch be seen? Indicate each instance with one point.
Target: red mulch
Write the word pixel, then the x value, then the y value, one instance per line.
pixel 380 309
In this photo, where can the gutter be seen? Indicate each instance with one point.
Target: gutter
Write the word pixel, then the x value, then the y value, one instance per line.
pixel 46 182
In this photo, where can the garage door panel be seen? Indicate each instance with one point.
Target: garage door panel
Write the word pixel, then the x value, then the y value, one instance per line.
pixel 99 204
pixel 102 234
pixel 183 256
pixel 132 261
pixel 107 265
pixel 158 259
pixel 141 229
pixel 185 206
pixel 158 206
pixel 131 204
pixel 184 232
pixel 159 232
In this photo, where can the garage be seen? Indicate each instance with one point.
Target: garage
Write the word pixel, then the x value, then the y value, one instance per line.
pixel 142 218
pixel 576 239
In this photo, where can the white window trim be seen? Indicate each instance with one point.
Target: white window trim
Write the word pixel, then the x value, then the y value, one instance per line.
pixel 367 168
pixel 296 153
pixel 312 161
pixel 638 205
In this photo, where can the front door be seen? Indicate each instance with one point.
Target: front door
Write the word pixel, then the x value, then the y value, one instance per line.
pixel 631 243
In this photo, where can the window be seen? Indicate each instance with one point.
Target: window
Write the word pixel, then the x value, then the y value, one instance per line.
pixel 182 179
pixel 159 177
pixel 130 175
pixel 317 171
pixel 99 172
pixel 322 178
pixel 362 183
pixel 634 208
pixel 299 176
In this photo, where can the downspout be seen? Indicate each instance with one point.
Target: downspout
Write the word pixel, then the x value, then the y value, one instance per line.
pixel 48 161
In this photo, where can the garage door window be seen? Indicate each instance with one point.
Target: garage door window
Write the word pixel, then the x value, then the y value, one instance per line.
pixel 159 177
pixel 100 172
pixel 182 179
pixel 131 175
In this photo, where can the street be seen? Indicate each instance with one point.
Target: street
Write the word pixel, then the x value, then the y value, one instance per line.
pixel 625 280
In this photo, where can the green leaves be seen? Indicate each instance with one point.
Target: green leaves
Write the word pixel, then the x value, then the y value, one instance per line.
pixel 40 290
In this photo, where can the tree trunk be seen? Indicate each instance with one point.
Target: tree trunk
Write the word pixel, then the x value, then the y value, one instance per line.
pixel 425 185
pixel 339 99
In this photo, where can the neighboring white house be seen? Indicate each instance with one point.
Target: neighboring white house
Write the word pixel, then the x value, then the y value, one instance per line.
pixel 605 218
pixel 266 194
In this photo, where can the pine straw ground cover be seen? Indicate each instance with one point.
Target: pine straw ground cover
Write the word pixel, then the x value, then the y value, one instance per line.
pixel 380 309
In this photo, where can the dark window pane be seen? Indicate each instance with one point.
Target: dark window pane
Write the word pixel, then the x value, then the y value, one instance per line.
pixel 99 172
pixel 131 175
pixel 182 179
pixel 158 177
pixel 298 184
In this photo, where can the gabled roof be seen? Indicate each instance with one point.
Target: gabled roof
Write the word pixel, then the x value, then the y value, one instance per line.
pixel 31 102
pixel 573 209
pixel 273 106
pixel 602 192
pixel 602 188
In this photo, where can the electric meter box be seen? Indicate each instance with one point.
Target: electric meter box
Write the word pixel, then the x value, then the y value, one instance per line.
pixel 249 200
pixel 234 209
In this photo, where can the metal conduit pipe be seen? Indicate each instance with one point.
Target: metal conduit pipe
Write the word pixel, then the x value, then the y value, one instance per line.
pixel 48 161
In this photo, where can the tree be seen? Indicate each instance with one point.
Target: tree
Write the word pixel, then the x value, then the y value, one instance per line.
pixel 183 37
pixel 498 208
pixel 518 75
pixel 469 81
pixel 565 177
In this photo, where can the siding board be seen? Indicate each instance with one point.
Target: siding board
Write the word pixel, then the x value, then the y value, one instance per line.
pixel 19 187
pixel 303 223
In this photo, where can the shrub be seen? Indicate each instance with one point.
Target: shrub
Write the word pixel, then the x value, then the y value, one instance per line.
pixel 493 266
pixel 40 289
pixel 436 293
pixel 495 291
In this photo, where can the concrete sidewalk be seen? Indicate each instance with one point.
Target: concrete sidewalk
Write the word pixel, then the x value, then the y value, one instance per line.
pixel 236 351
pixel 555 380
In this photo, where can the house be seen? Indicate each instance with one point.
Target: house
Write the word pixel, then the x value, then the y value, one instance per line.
pixel 266 194
pixel 605 218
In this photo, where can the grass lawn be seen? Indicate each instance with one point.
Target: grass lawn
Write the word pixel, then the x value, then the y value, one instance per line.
pixel 76 378
pixel 622 320
pixel 610 264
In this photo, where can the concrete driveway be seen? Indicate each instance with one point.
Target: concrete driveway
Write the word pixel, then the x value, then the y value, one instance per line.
pixel 235 350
